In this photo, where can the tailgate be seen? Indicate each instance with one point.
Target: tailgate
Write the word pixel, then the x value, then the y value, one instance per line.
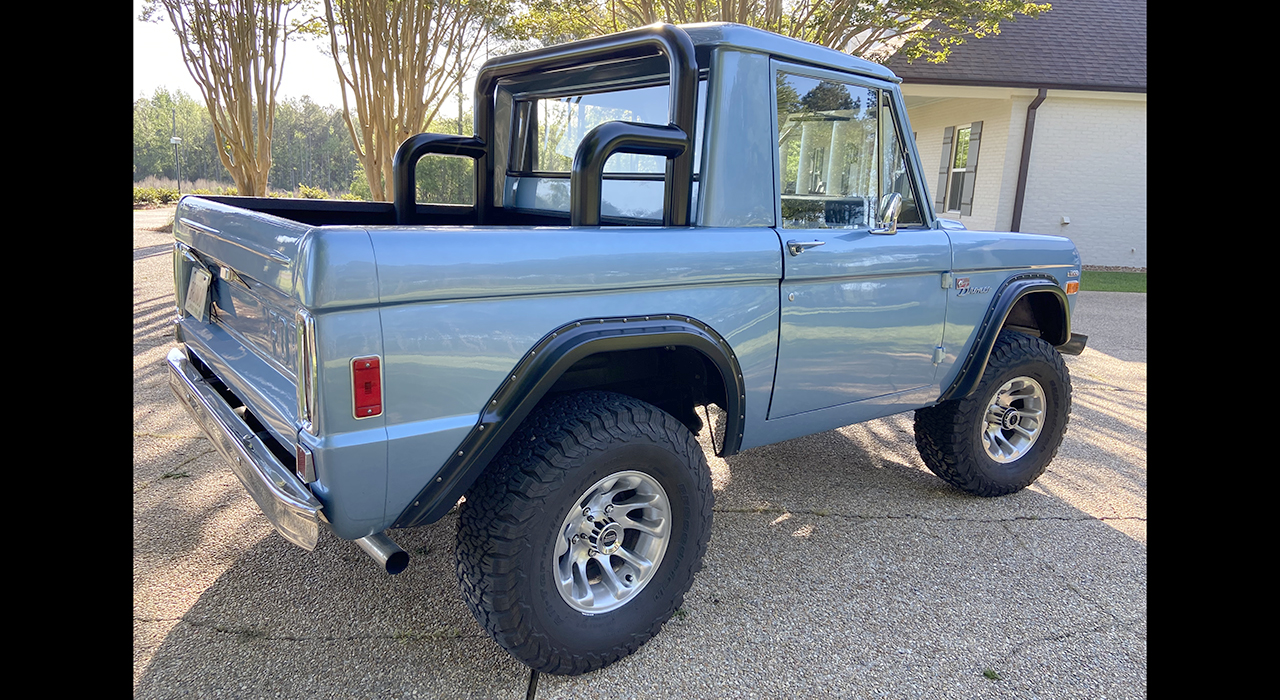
pixel 246 328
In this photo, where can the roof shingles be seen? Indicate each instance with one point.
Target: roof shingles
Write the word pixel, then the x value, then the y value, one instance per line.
pixel 1078 45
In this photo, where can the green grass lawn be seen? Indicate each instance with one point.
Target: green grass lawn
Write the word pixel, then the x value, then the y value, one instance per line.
pixel 1100 281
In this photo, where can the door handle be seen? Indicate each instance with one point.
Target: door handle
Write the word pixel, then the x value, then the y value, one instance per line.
pixel 797 247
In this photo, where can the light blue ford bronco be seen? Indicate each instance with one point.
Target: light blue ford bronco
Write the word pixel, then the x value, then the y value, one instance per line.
pixel 663 219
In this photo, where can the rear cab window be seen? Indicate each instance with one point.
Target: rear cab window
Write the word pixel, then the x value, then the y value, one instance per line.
pixel 547 128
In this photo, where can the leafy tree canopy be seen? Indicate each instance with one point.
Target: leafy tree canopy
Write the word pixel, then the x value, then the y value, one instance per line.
pixel 872 29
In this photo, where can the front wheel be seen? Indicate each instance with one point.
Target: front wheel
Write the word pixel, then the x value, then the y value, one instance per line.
pixel 1001 437
pixel 584 534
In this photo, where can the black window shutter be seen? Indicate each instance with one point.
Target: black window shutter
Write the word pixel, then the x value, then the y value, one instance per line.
pixel 966 191
pixel 940 194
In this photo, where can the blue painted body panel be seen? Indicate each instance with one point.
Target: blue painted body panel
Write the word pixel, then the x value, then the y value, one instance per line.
pixel 445 360
pixel 861 316
pixel 988 259
pixel 452 310
pixel 432 264
pixel 736 188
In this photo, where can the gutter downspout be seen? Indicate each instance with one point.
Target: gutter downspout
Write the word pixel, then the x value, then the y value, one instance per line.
pixel 1023 164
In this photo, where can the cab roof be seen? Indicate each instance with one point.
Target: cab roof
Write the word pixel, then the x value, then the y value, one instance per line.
pixel 740 36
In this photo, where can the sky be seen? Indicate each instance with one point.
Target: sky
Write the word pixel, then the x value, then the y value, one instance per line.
pixel 157 62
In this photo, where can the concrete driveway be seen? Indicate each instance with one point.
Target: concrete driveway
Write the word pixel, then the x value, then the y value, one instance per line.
pixel 838 566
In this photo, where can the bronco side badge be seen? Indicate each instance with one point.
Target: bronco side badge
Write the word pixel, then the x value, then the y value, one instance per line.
pixel 962 283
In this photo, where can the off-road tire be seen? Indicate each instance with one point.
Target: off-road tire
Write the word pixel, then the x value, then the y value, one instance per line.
pixel 949 436
pixel 508 528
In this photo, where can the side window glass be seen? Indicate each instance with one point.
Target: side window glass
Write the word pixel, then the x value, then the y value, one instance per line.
pixel 896 176
pixel 828 144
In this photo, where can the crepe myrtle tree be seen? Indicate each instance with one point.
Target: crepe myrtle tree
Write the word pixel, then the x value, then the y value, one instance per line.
pixel 235 51
pixel 397 61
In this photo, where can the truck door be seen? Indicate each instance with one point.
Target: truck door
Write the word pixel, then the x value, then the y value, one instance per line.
pixel 862 311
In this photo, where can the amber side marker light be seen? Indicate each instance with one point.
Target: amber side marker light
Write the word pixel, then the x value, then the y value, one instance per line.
pixel 1073 287
pixel 366 386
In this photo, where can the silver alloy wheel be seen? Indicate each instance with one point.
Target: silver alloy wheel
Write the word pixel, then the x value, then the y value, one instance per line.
pixel 1014 419
pixel 612 542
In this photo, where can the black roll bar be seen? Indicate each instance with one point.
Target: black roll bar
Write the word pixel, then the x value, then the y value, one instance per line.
pixel 587 178
pixel 673 141
pixel 406 159
pixel 665 39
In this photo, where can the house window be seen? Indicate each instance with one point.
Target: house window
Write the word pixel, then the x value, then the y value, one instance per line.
pixel 959 172
pixel 959 168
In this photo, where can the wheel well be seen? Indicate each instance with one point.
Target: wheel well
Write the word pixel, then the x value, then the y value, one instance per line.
pixel 1040 315
pixel 674 378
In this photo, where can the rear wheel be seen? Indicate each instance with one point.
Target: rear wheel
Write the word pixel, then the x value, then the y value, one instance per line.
pixel 1001 437
pixel 584 534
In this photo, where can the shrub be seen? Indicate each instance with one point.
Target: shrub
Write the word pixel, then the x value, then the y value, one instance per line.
pixel 312 192
pixel 145 195
pixel 154 195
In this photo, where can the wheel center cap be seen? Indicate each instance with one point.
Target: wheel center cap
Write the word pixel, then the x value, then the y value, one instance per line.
pixel 610 539
pixel 1010 419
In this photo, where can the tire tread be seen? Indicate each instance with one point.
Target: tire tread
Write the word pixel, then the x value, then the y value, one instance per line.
pixel 492 521
pixel 944 432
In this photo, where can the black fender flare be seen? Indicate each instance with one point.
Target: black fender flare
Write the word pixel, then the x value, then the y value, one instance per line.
pixel 538 370
pixel 1013 289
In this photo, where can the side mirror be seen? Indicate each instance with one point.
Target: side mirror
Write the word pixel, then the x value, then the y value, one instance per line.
pixel 890 207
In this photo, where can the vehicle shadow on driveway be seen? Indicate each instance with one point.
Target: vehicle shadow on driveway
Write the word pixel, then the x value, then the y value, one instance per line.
pixel 838 565
pixel 329 624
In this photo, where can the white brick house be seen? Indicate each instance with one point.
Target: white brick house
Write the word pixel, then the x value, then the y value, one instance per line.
pixel 1085 166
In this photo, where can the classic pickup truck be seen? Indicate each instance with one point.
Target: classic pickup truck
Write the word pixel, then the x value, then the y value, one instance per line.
pixel 662 220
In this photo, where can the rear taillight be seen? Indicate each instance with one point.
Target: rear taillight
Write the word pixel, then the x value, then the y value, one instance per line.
pixel 306 365
pixel 366 386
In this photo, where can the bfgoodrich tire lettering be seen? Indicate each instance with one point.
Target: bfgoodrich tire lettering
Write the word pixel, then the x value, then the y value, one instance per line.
pixel 515 516
pixel 1000 438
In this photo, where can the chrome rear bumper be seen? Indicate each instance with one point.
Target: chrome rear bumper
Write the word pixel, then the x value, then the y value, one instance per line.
pixel 283 498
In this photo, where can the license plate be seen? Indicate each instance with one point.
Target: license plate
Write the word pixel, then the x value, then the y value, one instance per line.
pixel 198 294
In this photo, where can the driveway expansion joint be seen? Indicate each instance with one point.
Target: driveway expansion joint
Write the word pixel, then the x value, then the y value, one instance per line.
pixel 828 514
pixel 1048 566
pixel 1126 627
pixel 262 634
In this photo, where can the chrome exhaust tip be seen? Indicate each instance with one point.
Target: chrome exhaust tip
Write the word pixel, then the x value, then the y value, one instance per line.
pixel 385 552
